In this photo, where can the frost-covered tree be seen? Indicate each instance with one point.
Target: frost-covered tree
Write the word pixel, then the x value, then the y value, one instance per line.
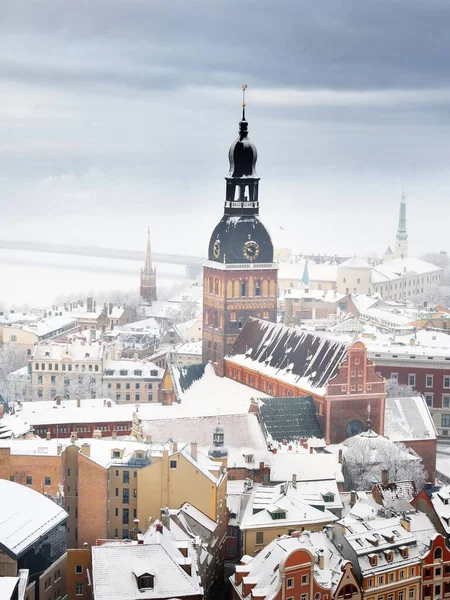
pixel 12 388
pixel 399 390
pixel 81 385
pixel 364 462
pixel 189 309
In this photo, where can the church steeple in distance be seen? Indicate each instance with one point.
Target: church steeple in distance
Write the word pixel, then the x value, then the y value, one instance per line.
pixel 148 275
pixel 401 239
pixel 240 237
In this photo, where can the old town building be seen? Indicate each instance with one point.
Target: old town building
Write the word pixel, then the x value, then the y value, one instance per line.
pixel 239 276
pixel 283 361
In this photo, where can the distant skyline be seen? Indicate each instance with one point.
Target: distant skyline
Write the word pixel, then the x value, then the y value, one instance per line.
pixel 118 115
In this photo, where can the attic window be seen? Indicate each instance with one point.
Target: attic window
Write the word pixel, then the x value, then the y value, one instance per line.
pixel 328 497
pixel 146 581
pixel 153 373
pixel 123 372
pixel 109 372
pixel 47 354
pixel 87 355
pixel 389 556
pixel 404 552
pixel 115 454
pixel 138 372
pixel 278 515
pixel 249 458
pixel 373 560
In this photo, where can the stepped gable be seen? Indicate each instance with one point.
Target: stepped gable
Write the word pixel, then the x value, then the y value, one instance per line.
pixel 290 418
pixel 286 353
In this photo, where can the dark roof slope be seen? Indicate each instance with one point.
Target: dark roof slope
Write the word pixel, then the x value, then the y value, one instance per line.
pixel 190 374
pixel 290 418
pixel 295 356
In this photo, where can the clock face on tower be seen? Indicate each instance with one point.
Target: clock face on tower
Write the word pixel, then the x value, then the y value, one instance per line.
pixel 216 249
pixel 250 250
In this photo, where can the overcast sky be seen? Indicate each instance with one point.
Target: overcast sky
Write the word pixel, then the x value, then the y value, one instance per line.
pixel 116 114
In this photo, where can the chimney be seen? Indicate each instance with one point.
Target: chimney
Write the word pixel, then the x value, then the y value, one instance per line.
pixel 282 488
pixel 385 477
pixel 194 450
pixel 97 434
pixel 174 447
pixel 353 498
pixel 165 517
pixel 58 400
pixel 406 523
pixel 321 559
pixel 148 439
pixel 159 527
pixel 48 436
pixel 428 485
pixel 311 450
pixel 89 305
pixel 85 545
pixel 294 480
pixel 340 456
pixel 86 449
pixel 114 434
pixel 110 307
pixel 78 402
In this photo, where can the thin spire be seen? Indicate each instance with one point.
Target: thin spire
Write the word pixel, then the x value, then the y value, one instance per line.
pixel 244 87
pixel 402 234
pixel 369 422
pixel 148 255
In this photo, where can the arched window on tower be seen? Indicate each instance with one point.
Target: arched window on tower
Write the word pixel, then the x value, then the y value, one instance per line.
pixel 210 285
pixel 257 287
pixel 230 289
pixel 265 288
pixel 273 288
pixel 246 194
pixel 237 193
pixel 236 289
pixel 216 287
pixel 243 288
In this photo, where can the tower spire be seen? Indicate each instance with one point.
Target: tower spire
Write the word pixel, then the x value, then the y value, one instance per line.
pixel 244 87
pixel 401 239
pixel 148 256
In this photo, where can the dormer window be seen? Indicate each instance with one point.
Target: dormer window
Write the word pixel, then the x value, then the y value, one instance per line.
pixel 115 454
pixel 404 552
pixel 47 353
pixel 389 556
pixel 278 514
pixel 145 581
pixel 123 372
pixel 138 372
pixel 87 355
pixel 328 497
pixel 249 458
pixel 373 560
pixel 154 373
pixel 109 372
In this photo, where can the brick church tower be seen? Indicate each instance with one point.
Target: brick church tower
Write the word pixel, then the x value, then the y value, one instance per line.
pixel 239 276
pixel 148 276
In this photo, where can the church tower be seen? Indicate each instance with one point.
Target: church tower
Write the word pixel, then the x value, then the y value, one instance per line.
pixel 401 239
pixel 239 276
pixel 148 276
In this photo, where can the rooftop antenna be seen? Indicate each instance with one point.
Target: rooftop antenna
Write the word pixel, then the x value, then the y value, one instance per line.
pixel 244 87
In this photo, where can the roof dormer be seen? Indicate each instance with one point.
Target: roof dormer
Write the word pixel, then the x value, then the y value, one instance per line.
pixel 145 581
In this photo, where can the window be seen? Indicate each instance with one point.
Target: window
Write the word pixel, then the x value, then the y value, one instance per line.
pixel 445 401
pixel 126 477
pixel 429 399
pixel 429 381
pixel 394 377
pixel 400 596
pixel 438 554
pixel 380 580
pixel 447 381
pixel 47 481
pixel 304 597
pixel 290 582
pixel 79 569
pixel 173 464
pixel 79 591
pixel 438 572
pixel 127 397
pixel 243 289
pixel 445 420
pixel 411 593
pixel 402 574
pixel 370 582
pixel 137 397
pixel 260 538
pixel 146 581
pixel 116 512
pixel 117 386
pixel 29 480
pixel 258 291
pixel 412 379
pixel 305 579
pixel 125 496
pixel 125 516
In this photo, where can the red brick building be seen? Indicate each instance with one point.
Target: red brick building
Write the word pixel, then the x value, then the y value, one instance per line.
pixel 282 361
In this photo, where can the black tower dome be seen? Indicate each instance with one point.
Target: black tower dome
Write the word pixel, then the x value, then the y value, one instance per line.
pixel 240 237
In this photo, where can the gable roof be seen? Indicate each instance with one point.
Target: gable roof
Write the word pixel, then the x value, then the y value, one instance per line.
pixel 25 517
pixel 297 357
pixel 408 419
pixel 290 419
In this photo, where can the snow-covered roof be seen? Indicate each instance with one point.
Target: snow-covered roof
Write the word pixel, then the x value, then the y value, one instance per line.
pixel 8 586
pixel 315 467
pixel 210 394
pixel 25 516
pixel 189 348
pixel 441 505
pixel 331 296
pixel 144 325
pixel 131 369
pixel 393 269
pixel 13 426
pixel 355 263
pixel 408 419
pixel 287 500
pixel 242 434
pixel 76 351
pixel 264 569
pixel 317 272
pixel 289 354
pixel 116 568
